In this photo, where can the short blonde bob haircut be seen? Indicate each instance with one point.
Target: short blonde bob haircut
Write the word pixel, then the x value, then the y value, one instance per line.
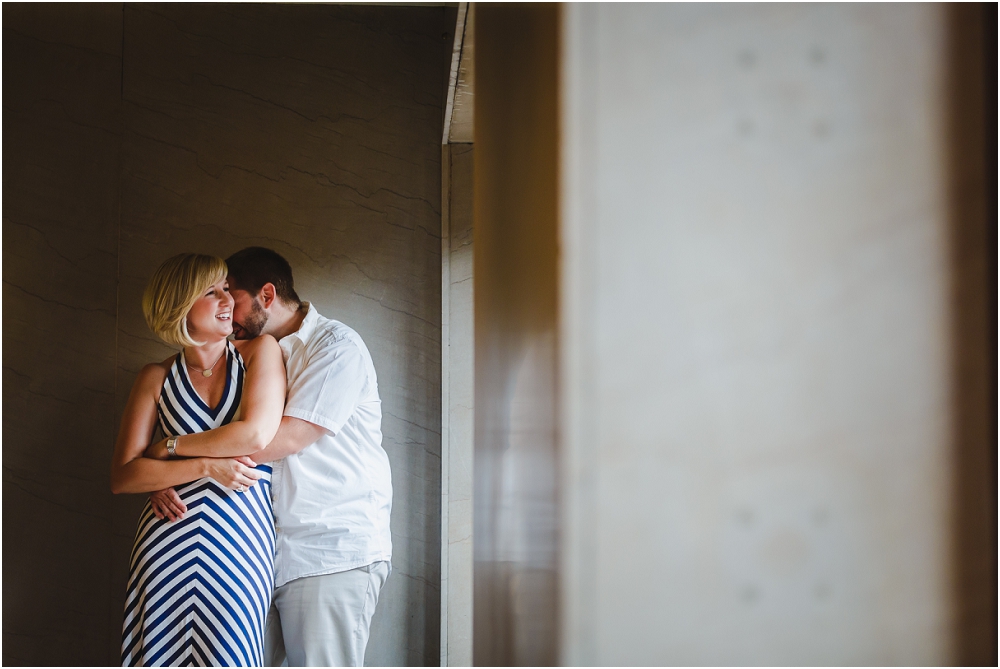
pixel 175 287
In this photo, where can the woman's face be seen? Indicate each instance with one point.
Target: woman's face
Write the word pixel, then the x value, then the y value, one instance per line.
pixel 211 317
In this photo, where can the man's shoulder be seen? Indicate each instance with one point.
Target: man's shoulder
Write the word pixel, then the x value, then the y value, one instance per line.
pixel 333 333
pixel 331 342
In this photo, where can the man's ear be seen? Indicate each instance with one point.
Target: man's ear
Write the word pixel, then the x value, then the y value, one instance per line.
pixel 267 294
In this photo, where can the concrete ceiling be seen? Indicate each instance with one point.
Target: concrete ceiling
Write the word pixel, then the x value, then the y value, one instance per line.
pixel 461 84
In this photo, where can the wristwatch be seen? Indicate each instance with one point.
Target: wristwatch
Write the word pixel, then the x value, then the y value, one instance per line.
pixel 172 446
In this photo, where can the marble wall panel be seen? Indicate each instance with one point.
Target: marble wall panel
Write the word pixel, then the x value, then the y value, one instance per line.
pixel 313 130
pixel 61 123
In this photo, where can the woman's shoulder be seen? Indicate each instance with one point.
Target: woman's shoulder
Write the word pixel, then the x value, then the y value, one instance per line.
pixel 153 375
pixel 264 344
pixel 161 368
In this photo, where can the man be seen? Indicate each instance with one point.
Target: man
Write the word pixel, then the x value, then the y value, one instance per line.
pixel 331 486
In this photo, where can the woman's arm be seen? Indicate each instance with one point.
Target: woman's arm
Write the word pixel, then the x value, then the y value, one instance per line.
pixel 132 473
pixel 262 404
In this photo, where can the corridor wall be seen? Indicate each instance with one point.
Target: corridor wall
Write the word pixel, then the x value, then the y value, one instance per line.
pixel 140 131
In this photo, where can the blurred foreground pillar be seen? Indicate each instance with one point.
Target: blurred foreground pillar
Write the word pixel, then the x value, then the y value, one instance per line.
pixel 734 379
pixel 515 226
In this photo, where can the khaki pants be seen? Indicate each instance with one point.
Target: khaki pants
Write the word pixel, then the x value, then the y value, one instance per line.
pixel 323 621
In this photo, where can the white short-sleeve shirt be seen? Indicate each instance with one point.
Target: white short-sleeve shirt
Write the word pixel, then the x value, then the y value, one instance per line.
pixel 331 499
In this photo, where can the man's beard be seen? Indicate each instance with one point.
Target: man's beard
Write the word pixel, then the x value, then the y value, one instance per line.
pixel 254 322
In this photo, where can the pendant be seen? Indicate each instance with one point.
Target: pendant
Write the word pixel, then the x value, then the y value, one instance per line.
pixel 207 373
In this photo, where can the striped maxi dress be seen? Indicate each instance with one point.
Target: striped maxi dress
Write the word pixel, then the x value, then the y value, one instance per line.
pixel 199 589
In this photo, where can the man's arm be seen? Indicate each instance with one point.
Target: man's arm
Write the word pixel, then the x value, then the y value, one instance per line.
pixel 312 408
pixel 293 435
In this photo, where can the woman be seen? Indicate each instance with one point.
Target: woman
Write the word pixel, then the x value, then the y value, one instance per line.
pixel 199 589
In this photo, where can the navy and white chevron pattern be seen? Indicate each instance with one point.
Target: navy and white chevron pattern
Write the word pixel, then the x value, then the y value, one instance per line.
pixel 199 589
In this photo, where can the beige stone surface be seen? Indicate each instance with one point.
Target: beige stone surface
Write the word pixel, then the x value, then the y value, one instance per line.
pixel 755 336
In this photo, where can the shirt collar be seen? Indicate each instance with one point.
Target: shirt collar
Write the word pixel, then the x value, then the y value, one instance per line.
pixel 308 324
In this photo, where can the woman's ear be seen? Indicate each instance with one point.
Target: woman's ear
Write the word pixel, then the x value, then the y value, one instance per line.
pixel 267 294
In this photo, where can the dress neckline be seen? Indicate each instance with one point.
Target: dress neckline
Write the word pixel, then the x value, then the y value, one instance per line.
pixel 186 379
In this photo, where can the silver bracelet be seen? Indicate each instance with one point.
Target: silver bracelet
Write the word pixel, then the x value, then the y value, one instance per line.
pixel 172 446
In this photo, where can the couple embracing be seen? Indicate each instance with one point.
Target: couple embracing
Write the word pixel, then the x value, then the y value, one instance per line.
pixel 266 537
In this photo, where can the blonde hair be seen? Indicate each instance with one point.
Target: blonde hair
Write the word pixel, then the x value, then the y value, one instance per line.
pixel 174 288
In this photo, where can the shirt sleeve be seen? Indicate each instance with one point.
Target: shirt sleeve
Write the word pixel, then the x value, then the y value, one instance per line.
pixel 330 387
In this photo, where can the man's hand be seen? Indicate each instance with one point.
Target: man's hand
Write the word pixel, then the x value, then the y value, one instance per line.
pixel 167 504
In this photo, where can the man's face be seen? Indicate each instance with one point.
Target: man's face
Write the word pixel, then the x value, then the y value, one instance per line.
pixel 249 316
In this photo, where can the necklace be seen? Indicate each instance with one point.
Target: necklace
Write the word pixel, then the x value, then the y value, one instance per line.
pixel 206 372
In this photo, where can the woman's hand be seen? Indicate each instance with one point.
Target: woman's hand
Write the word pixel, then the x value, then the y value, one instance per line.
pixel 232 472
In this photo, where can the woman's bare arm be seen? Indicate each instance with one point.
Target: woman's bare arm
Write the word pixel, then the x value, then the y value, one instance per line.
pixel 262 404
pixel 130 471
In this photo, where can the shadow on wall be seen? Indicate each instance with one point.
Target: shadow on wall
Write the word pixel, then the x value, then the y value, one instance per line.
pixel 137 132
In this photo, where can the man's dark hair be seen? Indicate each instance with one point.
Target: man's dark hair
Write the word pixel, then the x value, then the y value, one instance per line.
pixel 254 266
